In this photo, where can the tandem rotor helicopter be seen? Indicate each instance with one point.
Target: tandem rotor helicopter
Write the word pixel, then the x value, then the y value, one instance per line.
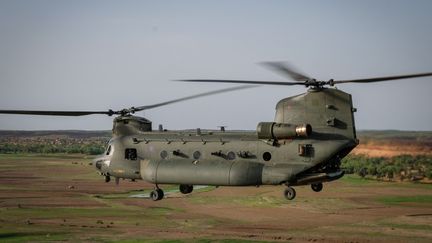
pixel 304 145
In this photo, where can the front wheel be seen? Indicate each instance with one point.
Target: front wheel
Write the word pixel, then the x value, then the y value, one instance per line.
pixel 290 193
pixel 157 194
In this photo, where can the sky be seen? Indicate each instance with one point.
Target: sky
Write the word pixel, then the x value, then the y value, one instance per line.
pixel 100 55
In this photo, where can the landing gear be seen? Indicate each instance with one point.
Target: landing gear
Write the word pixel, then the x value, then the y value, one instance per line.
pixel 186 189
pixel 289 193
pixel 317 187
pixel 107 178
pixel 157 194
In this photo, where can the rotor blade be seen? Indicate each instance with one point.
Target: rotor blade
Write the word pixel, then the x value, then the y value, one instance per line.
pixel 380 79
pixel 286 70
pixel 54 113
pixel 147 107
pixel 240 82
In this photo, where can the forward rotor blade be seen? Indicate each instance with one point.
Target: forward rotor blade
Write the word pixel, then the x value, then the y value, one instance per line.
pixel 120 112
pixel 380 79
pixel 54 113
pixel 240 82
pixel 147 107
pixel 286 70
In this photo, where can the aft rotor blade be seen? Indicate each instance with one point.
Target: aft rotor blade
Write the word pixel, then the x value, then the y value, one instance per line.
pixel 240 82
pixel 147 107
pixel 287 70
pixel 55 113
pixel 380 79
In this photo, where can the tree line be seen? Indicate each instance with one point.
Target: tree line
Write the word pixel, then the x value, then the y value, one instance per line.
pixel 402 167
pixel 91 148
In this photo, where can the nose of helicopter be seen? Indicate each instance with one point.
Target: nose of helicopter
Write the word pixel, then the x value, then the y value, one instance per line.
pixel 101 164
pixel 98 161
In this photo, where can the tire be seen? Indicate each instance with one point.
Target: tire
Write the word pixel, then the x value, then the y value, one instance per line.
pixel 160 194
pixel 317 187
pixel 154 195
pixel 157 194
pixel 289 193
pixel 186 189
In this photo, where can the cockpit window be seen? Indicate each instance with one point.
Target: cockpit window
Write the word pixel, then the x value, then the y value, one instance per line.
pixel 131 154
pixel 108 151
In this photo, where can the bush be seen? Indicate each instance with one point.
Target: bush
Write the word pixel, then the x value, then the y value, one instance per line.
pixel 388 167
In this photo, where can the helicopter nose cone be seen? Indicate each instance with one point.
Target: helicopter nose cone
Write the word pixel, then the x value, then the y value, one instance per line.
pixel 98 161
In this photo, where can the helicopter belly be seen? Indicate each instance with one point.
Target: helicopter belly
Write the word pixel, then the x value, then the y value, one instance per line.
pixel 215 172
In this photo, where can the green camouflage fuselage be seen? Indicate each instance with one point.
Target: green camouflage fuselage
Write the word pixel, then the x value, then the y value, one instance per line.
pixel 239 158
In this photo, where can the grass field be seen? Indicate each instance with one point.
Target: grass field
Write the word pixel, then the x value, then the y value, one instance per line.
pixel 61 198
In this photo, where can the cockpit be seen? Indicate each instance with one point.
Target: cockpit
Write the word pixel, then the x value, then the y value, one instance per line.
pixel 105 159
pixel 118 161
pixel 109 150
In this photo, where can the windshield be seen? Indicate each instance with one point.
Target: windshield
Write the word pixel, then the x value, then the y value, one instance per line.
pixel 109 150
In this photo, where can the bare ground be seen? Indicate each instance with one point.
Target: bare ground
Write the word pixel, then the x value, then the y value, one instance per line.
pixel 55 199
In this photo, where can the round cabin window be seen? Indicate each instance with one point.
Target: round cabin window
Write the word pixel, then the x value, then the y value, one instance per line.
pixel 196 154
pixel 231 155
pixel 164 154
pixel 267 156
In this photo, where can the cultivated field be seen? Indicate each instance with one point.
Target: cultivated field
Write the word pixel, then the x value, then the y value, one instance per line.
pixel 61 198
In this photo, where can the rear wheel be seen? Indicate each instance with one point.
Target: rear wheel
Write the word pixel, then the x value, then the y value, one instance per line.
pixel 317 187
pixel 290 193
pixel 186 189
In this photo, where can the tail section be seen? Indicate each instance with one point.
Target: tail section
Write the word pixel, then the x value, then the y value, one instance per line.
pixel 329 111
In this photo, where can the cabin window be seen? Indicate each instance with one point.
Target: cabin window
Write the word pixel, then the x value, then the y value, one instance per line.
pixel 231 156
pixel 108 151
pixel 131 154
pixel 164 154
pixel 267 156
pixel 196 154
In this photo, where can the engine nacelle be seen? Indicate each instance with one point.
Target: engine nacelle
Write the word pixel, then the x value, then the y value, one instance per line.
pixel 273 130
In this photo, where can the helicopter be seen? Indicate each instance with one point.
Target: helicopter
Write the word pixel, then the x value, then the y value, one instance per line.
pixel 304 144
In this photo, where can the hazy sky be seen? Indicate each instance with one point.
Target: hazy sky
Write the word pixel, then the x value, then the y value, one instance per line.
pixel 96 55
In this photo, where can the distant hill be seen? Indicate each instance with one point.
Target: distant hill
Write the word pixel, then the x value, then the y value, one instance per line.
pixel 395 134
pixel 388 143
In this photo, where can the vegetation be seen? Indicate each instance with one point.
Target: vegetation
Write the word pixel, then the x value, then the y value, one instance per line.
pixel 394 200
pixel 403 167
pixel 47 142
pixel 91 148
